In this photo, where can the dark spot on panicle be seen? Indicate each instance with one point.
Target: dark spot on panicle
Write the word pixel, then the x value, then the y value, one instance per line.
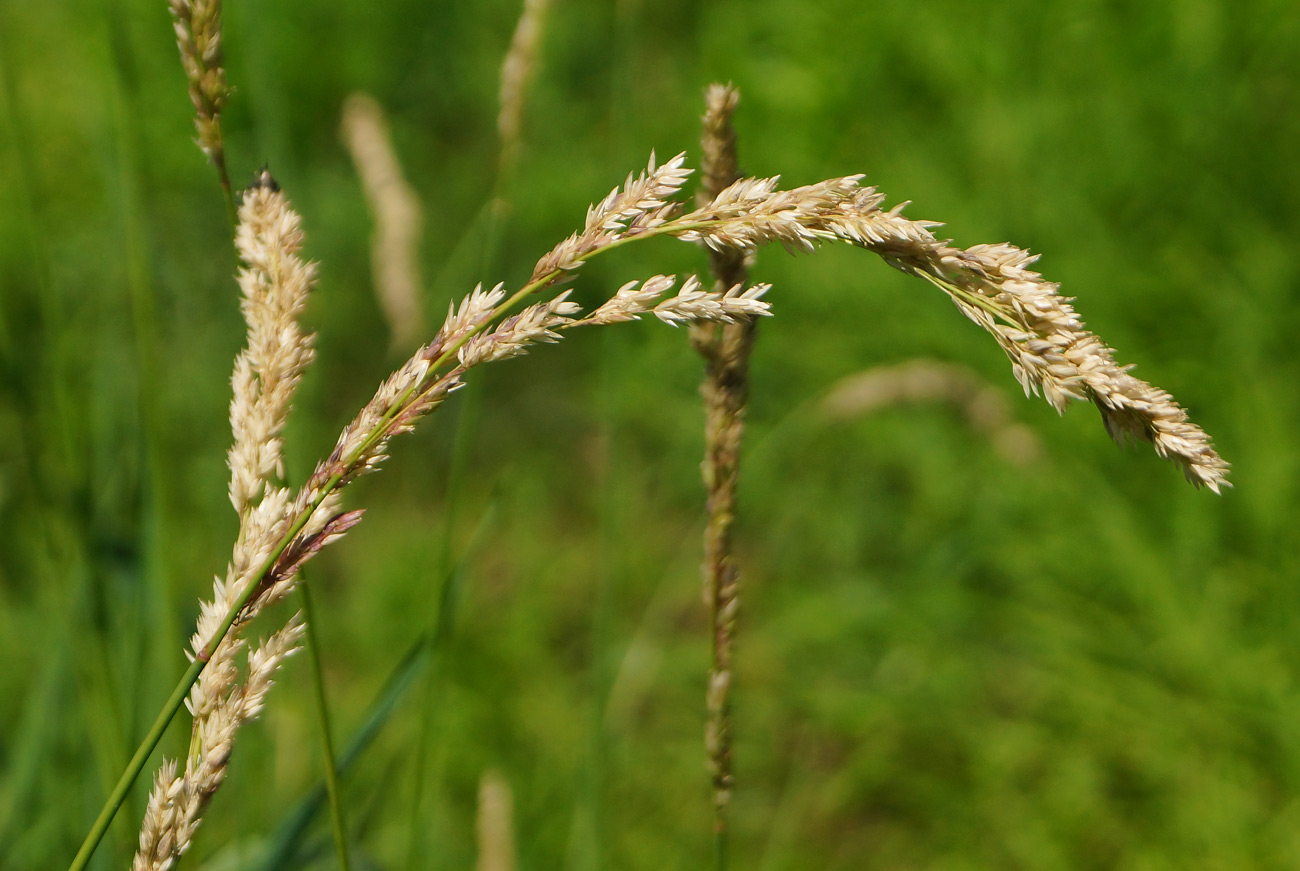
pixel 262 179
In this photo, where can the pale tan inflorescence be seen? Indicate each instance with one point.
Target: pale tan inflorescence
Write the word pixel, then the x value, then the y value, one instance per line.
pixel 495 824
pixel 1051 350
pixel 726 351
pixel 275 282
pixel 176 803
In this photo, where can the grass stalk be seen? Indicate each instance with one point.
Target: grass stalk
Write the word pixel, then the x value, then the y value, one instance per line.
pixel 441 614
pixel 725 349
pixel 136 765
pixel 312 644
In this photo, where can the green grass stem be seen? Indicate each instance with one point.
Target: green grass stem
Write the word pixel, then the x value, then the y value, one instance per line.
pixel 136 765
pixel 337 823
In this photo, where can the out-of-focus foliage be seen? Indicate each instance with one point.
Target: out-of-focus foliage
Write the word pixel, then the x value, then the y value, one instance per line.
pixel 945 660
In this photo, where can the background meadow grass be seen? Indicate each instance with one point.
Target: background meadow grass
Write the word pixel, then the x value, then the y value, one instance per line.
pixel 945 660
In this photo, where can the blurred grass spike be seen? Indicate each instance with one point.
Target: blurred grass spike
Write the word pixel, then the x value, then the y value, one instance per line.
pixel 912 381
pixel 517 70
pixel 496 826
pixel 197 24
pixel 398 217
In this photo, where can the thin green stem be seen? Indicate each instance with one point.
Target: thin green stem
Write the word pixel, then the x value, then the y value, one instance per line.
pixel 974 300
pixel 327 739
pixel 227 191
pixel 177 698
pixel 136 765
pixel 449 571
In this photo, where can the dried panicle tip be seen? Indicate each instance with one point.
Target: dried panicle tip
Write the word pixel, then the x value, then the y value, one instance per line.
pixel 643 204
pixel 263 180
pixel 1054 354
pixel 720 170
pixel 718 141
pixel 197 25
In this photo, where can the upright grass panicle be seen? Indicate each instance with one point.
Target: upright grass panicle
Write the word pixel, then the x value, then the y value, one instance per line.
pixel 275 284
pixel 726 350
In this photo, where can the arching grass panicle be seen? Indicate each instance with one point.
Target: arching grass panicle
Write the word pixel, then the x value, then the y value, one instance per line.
pixel 1051 351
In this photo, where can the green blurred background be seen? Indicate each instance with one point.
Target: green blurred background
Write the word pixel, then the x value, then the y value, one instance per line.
pixel 945 659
